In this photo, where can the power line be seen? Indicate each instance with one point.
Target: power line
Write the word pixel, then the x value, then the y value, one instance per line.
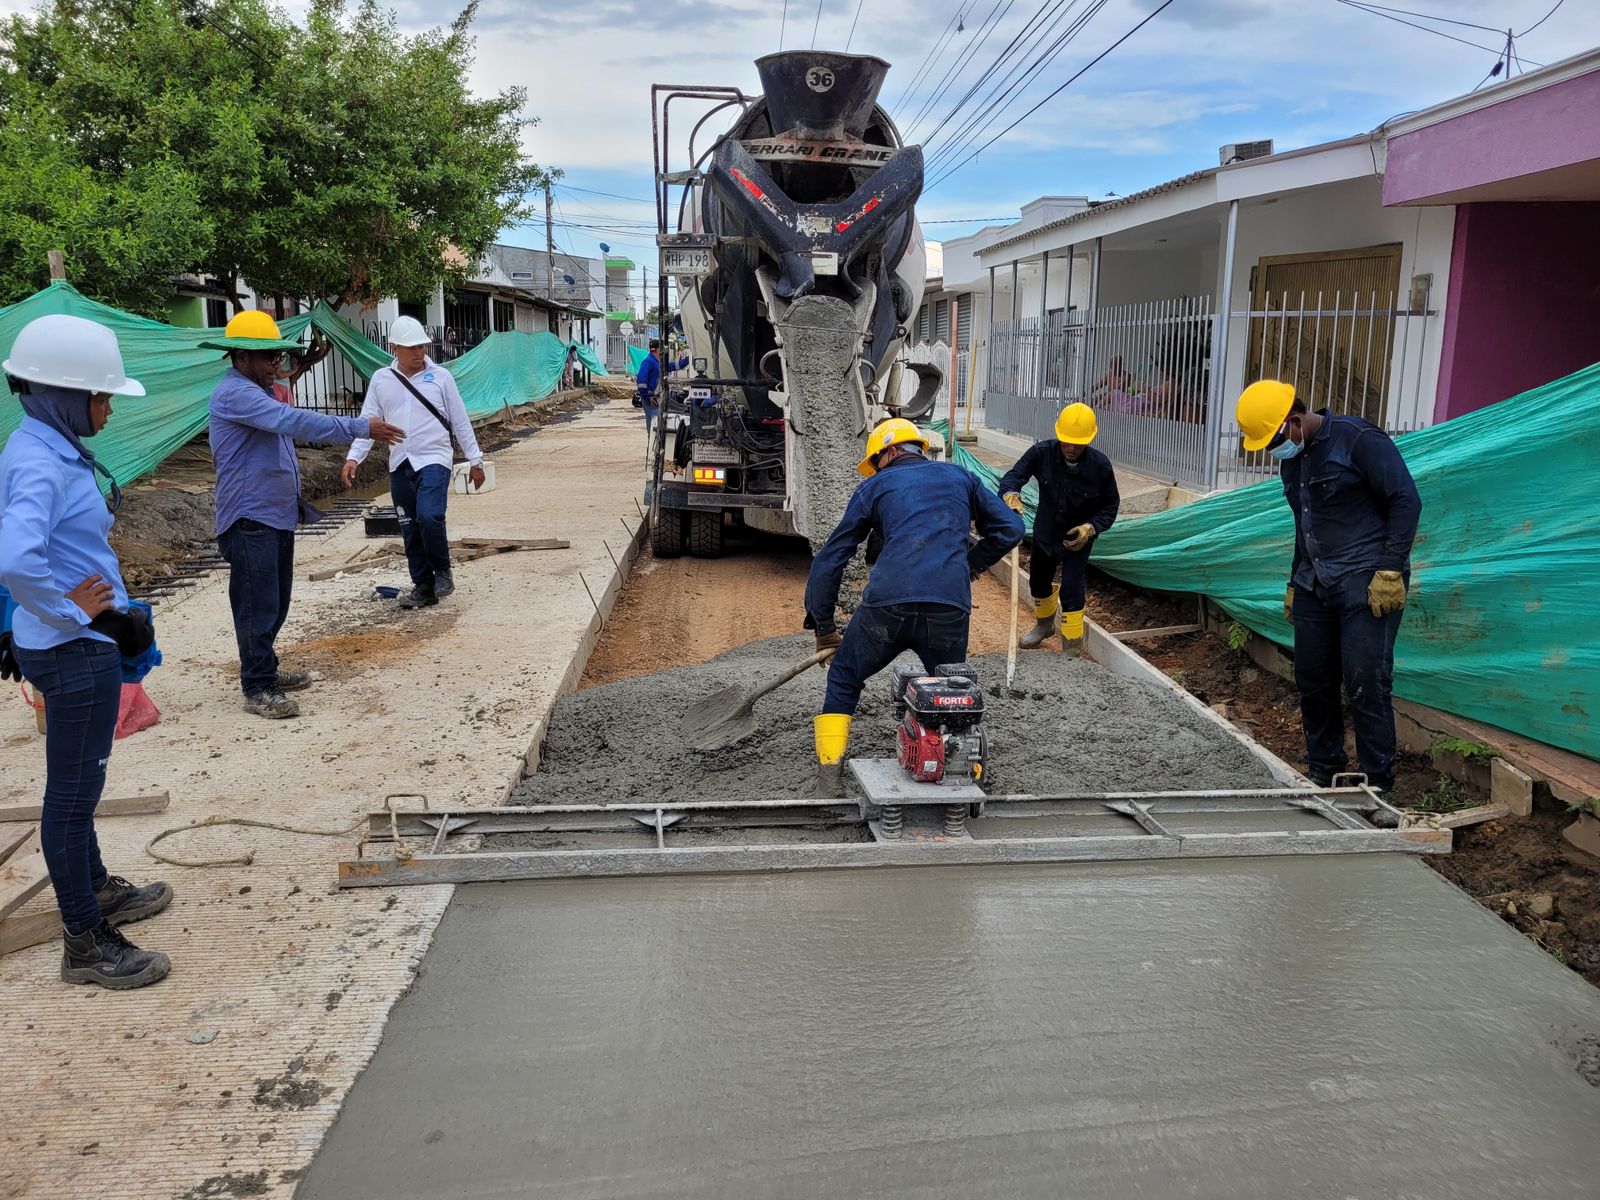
pixel 1425 16
pixel 954 70
pixel 989 112
pixel 1388 15
pixel 612 195
pixel 1542 19
pixel 783 23
pixel 814 25
pixel 1047 17
pixel 1079 75
pixel 905 96
pixel 853 21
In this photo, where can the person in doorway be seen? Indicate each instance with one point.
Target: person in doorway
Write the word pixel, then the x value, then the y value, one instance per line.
pixel 919 596
pixel 1078 501
pixel 258 498
pixel 72 629
pixel 1355 509
pixel 420 397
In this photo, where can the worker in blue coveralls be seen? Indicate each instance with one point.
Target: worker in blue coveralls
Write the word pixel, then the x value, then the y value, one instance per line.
pixel 1355 511
pixel 1078 501
pixel 258 498
pixel 920 594
pixel 649 380
pixel 73 628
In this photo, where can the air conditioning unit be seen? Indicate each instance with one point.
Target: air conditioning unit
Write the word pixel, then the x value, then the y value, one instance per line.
pixel 1243 151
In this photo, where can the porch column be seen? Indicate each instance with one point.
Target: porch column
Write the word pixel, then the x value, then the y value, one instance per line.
pixel 1013 362
pixel 988 356
pixel 1219 348
pixel 1090 320
pixel 1066 315
pixel 1044 309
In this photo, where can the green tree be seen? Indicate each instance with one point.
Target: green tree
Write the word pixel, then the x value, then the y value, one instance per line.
pixel 338 161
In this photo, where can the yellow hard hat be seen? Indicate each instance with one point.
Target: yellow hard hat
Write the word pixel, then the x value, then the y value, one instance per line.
pixel 252 330
pixel 892 432
pixel 1263 407
pixel 1076 425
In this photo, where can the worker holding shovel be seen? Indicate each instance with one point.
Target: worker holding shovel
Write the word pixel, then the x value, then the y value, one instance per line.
pixel 920 594
pixel 73 628
pixel 1078 501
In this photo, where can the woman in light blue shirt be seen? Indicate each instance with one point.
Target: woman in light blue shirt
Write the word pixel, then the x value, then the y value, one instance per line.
pixel 72 628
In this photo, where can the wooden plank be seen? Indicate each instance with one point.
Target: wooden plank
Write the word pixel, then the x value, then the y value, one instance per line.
pixel 512 543
pixel 23 875
pixel 21 930
pixel 468 550
pixel 1160 631
pixel 110 806
pixel 1572 778
pixel 10 839
pixel 1458 819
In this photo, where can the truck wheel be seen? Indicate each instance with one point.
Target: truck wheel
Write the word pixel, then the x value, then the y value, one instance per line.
pixel 666 535
pixel 705 534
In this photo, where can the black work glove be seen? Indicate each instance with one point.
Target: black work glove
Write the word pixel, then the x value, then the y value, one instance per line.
pixel 131 631
pixel 637 403
pixel 8 660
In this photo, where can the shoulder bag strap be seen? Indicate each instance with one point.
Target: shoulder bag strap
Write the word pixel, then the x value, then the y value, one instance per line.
pixel 426 403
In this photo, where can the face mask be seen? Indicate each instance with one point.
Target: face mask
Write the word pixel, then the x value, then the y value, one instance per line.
pixel 1285 449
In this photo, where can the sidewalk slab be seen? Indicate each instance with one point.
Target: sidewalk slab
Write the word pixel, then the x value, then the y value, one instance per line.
pixel 223 1079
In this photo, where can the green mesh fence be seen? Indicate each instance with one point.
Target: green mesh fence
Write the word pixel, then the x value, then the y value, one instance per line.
pixel 178 376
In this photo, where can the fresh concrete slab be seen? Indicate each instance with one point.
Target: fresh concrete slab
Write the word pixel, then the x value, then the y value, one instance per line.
pixel 1225 1030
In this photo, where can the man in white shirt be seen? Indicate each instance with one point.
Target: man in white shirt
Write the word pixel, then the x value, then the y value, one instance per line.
pixel 421 398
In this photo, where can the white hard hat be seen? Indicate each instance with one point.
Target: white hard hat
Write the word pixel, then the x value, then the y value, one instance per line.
pixel 70 352
pixel 408 331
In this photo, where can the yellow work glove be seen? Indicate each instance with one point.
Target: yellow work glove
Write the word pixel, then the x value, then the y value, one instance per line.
pixel 1079 537
pixel 1288 603
pixel 1386 593
pixel 1013 501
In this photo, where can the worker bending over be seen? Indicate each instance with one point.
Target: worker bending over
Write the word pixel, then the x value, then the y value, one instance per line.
pixel 919 596
pixel 1078 501
pixel 1355 511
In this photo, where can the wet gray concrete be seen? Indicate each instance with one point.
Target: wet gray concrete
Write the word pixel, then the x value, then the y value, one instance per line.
pixel 1232 1029
pixel 1069 725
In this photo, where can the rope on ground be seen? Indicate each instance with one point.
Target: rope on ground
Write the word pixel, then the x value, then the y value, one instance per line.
pixel 402 851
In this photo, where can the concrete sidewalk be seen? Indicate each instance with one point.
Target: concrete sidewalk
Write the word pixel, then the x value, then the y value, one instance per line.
pixel 222 1080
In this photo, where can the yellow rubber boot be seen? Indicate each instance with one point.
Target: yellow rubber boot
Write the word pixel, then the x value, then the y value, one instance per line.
pixel 832 734
pixel 1072 633
pixel 1048 613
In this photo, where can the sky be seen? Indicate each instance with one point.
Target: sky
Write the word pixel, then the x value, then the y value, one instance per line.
pixel 1199 74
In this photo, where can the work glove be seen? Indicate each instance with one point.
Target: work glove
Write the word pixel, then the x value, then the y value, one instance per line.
pixel 131 631
pixel 828 641
pixel 8 660
pixel 1386 593
pixel 1079 537
pixel 1288 604
pixel 1013 501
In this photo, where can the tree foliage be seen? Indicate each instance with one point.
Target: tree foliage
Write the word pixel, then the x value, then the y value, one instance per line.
pixel 337 160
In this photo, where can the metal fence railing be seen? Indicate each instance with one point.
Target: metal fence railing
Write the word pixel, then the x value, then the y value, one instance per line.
pixel 1150 372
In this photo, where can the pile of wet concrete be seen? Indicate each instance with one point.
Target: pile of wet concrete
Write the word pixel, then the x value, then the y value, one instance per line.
pixel 1067 725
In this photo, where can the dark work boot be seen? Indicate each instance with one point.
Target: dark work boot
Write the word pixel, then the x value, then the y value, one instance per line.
pixel 1045 628
pixel 294 681
pixel 419 597
pixel 102 955
pixel 121 902
pixel 443 584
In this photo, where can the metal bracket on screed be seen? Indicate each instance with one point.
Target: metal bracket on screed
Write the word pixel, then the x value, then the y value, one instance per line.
pixel 704 837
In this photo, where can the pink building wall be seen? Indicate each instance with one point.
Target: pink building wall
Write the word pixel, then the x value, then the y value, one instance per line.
pixel 1545 130
pixel 1524 304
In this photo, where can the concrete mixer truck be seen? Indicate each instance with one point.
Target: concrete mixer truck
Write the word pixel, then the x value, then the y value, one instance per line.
pixel 797 260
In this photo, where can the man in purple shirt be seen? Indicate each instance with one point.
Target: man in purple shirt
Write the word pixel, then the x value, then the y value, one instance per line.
pixel 258 498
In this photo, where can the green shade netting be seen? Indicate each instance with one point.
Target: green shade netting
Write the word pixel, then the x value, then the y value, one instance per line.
pixel 636 357
pixel 178 376
pixel 1503 621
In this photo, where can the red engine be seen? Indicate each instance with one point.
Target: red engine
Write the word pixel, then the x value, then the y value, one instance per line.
pixel 940 734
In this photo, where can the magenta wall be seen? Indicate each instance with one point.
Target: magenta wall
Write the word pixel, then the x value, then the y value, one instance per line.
pixel 1524 301
pixel 1555 126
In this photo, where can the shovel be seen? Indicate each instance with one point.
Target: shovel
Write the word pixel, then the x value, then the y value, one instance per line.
pixel 728 714
pixel 1011 649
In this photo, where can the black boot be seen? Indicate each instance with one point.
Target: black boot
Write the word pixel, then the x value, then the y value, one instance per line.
pixel 443 584
pixel 121 902
pixel 419 597
pixel 102 955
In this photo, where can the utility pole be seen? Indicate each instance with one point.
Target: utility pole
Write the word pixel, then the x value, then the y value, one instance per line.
pixel 549 247
pixel 645 299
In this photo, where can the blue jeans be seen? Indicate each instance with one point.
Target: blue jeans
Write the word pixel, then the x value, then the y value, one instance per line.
pixel 419 501
pixel 260 579
pixel 1074 566
pixel 1339 643
pixel 81 682
pixel 878 634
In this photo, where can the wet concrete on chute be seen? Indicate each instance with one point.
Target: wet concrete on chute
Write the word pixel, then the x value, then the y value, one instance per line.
pixel 1348 1026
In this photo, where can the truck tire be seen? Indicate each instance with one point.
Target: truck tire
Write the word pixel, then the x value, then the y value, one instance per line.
pixel 666 535
pixel 705 534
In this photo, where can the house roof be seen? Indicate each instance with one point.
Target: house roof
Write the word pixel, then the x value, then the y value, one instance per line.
pixel 1099 207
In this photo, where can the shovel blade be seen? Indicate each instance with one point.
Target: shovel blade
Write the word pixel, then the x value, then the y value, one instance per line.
pixel 719 720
